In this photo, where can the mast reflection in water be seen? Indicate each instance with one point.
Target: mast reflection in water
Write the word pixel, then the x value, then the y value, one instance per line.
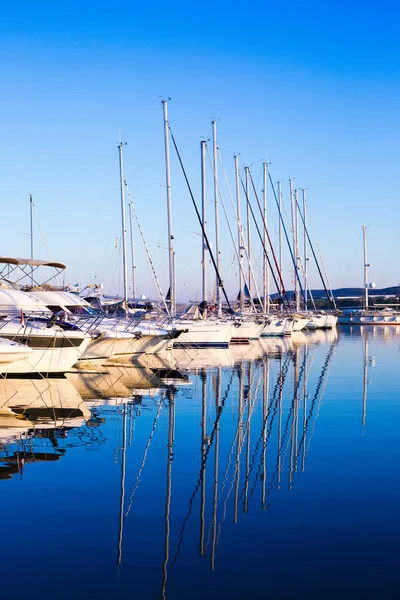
pixel 257 475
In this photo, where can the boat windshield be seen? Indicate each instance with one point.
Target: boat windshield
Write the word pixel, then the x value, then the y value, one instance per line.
pixel 82 310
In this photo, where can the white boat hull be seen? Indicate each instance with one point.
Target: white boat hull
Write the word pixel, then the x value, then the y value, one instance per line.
pixel 393 320
pixel 12 351
pixel 277 327
pixel 203 334
pixel 322 321
pixel 50 349
pixel 299 324
pixel 247 331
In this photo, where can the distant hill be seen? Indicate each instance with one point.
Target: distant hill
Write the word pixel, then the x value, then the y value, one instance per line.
pixel 355 292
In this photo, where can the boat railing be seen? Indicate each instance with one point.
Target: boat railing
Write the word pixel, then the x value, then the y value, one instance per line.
pixel 85 323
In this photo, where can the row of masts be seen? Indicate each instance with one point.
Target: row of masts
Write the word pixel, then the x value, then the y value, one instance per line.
pixel 240 239
pixel 245 280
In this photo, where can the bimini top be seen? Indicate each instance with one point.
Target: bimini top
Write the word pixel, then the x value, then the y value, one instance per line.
pixel 32 262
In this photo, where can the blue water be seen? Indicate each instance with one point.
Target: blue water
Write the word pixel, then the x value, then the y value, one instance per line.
pixel 274 477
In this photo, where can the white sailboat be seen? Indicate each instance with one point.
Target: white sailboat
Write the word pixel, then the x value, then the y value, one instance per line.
pixel 368 316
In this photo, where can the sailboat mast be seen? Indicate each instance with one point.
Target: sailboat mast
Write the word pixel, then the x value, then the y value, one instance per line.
pixel 204 220
pixel 31 217
pixel 297 253
pixel 366 265
pixel 265 258
pixel 122 182
pixel 246 171
pixel 280 230
pixel 132 251
pixel 171 260
pixel 217 250
pixel 240 238
pixel 31 205
pixel 293 236
pixel 305 247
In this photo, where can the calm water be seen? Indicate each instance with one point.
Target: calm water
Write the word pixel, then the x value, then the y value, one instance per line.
pixel 270 471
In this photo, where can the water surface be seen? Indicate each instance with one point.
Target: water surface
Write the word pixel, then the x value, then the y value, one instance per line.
pixel 263 471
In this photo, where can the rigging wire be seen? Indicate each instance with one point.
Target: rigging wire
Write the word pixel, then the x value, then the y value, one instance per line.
pixel 263 245
pixel 231 233
pixel 220 282
pixel 147 253
pixel 262 241
pixel 286 235
pixel 44 240
pixel 243 245
pixel 322 260
pixel 329 297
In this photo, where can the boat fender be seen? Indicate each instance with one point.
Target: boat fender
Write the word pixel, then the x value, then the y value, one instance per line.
pixel 97 334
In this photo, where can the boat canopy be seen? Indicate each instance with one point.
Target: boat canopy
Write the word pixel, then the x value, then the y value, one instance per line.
pixel 32 262
pixel 22 271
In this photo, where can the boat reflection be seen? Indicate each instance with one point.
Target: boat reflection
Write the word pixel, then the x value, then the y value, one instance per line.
pixel 195 359
pixel 36 419
pixel 115 384
pixel 53 401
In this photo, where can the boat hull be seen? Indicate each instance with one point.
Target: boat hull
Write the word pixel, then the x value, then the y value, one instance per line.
pixel 247 331
pixel 51 351
pixel 204 334
pixel 322 322
pixel 392 320
pixel 277 327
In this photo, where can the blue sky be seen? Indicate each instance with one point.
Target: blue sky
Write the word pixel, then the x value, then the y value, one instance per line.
pixel 313 89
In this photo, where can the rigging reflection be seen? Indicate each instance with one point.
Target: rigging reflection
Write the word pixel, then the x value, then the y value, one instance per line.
pixel 256 416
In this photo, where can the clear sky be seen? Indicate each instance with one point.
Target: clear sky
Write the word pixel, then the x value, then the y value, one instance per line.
pixel 313 87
